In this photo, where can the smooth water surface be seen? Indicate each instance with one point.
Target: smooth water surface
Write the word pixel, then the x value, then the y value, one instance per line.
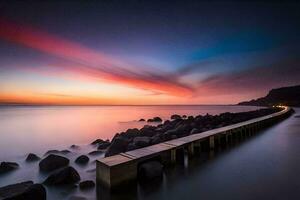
pixel 37 129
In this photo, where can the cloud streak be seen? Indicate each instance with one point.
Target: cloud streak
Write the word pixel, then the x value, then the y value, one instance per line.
pixel 91 63
pixel 256 80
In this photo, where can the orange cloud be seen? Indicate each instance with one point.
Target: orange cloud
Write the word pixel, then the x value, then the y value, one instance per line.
pixel 91 63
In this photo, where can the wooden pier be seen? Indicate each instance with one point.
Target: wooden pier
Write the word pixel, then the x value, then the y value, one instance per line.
pixel 122 168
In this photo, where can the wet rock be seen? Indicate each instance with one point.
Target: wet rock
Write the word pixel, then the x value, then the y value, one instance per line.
pixel 23 191
pixel 175 117
pixel 148 131
pixel 65 151
pixel 83 159
pixel 297 116
pixel 8 166
pixel 97 141
pixel 194 130
pixel 131 133
pixel 95 153
pixel 67 175
pixel 57 152
pixel 142 120
pixel 53 162
pixel 141 141
pixel 131 146
pixel 32 157
pixel 155 119
pixel 73 146
pixel 150 170
pixel 103 145
pixel 86 185
pixel 156 139
pixel 118 145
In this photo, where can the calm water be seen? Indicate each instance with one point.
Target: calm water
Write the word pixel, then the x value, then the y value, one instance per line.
pixel 38 129
pixel 263 167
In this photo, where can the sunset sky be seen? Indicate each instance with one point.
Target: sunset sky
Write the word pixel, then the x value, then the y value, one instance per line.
pixel 138 52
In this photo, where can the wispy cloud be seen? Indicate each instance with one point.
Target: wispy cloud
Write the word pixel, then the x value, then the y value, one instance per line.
pixel 91 63
pixel 256 80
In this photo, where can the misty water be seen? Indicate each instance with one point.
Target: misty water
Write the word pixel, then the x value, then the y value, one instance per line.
pixel 262 167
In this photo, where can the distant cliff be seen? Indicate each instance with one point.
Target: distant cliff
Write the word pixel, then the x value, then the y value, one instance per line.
pixel 287 96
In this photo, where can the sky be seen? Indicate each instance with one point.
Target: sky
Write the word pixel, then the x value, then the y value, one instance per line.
pixel 146 52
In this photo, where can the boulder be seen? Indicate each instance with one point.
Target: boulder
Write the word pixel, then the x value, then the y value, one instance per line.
pixel 8 166
pixel 141 141
pixel 97 141
pixel 65 151
pixel 53 162
pixel 156 139
pixel 150 170
pixel 95 153
pixel 86 184
pixel 23 191
pixel 67 175
pixel 118 145
pixel 175 117
pixel 103 145
pixel 32 157
pixel 194 130
pixel 155 119
pixel 131 146
pixel 131 133
pixel 74 146
pixel 57 152
pixel 142 120
pixel 83 159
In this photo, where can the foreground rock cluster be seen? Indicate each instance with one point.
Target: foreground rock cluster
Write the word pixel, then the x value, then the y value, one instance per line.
pixel 178 126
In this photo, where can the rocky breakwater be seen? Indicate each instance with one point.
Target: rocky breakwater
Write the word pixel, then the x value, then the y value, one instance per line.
pixel 178 126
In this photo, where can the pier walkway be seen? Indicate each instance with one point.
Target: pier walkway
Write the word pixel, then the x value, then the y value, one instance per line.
pixel 118 169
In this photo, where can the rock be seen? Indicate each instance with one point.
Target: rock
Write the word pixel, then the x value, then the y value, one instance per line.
pixel 118 145
pixel 65 151
pixel 8 166
pixel 32 157
pixel 194 130
pixel 297 116
pixel 155 119
pixel 95 153
pixel 131 146
pixel 23 191
pixel 98 141
pixel 67 175
pixel 156 139
pixel 175 117
pixel 73 146
pixel 142 120
pixel 86 185
pixel 150 170
pixel 141 141
pixel 83 159
pixel 130 133
pixel 57 152
pixel 184 116
pixel 103 145
pixel 53 162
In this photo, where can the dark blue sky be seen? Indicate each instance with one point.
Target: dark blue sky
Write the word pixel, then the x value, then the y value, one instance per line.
pixel 201 44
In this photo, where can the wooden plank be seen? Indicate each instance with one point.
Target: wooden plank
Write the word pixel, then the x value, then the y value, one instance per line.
pixel 115 160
